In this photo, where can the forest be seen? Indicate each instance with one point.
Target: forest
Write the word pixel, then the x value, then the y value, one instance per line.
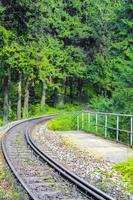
pixel 59 52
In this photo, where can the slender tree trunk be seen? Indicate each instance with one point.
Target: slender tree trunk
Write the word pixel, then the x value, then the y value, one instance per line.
pixel 6 100
pixel 64 90
pixel 19 97
pixel 61 95
pixel 55 97
pixel 71 90
pixel 43 99
pixel 79 90
pixel 26 100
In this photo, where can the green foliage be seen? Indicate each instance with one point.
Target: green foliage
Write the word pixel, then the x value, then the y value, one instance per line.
pixel 62 123
pixel 101 103
pixel 126 169
pixel 122 98
pixel 1 123
pixel 11 191
pixel 68 121
pixel 68 52
pixel 65 120
pixel 38 110
pixel 19 195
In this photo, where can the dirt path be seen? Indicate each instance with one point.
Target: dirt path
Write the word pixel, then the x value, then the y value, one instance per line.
pixel 100 147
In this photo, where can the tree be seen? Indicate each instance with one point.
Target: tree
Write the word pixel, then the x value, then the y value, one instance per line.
pixel 64 52
pixel 5 41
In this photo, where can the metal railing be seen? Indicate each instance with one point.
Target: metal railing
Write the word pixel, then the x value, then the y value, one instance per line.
pixel 112 125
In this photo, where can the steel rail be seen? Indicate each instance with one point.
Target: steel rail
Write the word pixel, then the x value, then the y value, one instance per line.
pixel 3 145
pixel 87 188
pixel 84 186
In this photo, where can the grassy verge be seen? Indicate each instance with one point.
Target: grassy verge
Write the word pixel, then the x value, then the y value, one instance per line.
pixel 8 186
pixel 9 190
pixel 126 169
pixel 37 110
pixel 66 122
pixel 63 123
pixel 72 122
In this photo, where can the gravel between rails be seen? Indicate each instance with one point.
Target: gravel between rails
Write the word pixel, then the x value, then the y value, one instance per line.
pixel 43 181
pixel 97 172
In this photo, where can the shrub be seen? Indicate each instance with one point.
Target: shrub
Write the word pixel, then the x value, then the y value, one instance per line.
pixel 126 169
pixel 102 104
pixel 63 123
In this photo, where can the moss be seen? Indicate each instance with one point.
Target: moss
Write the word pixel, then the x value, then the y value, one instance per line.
pixel 126 169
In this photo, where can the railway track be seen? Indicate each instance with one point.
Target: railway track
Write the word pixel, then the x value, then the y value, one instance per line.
pixel 41 176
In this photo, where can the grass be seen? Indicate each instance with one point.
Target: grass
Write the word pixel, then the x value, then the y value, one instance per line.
pixel 126 169
pixel 70 121
pixel 8 187
pixel 66 120
pixel 62 123
pixel 37 110
pixel 1 123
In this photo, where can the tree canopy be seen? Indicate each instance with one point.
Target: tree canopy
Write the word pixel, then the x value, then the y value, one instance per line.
pixel 59 52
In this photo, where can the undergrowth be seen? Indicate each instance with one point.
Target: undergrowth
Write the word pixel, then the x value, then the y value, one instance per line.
pixel 63 123
pixel 37 110
pixel 126 169
pixel 8 187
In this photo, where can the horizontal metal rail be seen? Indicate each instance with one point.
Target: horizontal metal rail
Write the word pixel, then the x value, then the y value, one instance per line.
pixel 106 113
pixel 91 118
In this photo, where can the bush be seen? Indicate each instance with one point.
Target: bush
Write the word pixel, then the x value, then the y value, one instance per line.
pixel 1 123
pixel 123 100
pixel 102 104
pixel 126 169
pixel 37 110
pixel 63 123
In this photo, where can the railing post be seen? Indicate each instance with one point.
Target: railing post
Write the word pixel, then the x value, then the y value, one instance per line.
pixel 106 124
pixel 117 129
pixel 96 122
pixel 78 123
pixel 82 120
pixel 89 119
pixel 131 134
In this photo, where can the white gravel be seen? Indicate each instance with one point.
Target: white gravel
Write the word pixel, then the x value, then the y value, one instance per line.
pixel 94 170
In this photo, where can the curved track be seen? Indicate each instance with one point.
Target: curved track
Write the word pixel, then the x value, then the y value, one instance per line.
pixel 43 179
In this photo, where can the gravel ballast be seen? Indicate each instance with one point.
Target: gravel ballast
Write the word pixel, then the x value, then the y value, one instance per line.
pixel 86 165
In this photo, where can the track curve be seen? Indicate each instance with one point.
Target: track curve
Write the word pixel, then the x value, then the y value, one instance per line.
pixel 43 178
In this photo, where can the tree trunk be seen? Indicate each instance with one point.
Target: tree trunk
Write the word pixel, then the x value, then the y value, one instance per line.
pixel 26 100
pixel 19 105
pixel 71 85
pixel 61 95
pixel 64 90
pixel 79 90
pixel 6 100
pixel 43 99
